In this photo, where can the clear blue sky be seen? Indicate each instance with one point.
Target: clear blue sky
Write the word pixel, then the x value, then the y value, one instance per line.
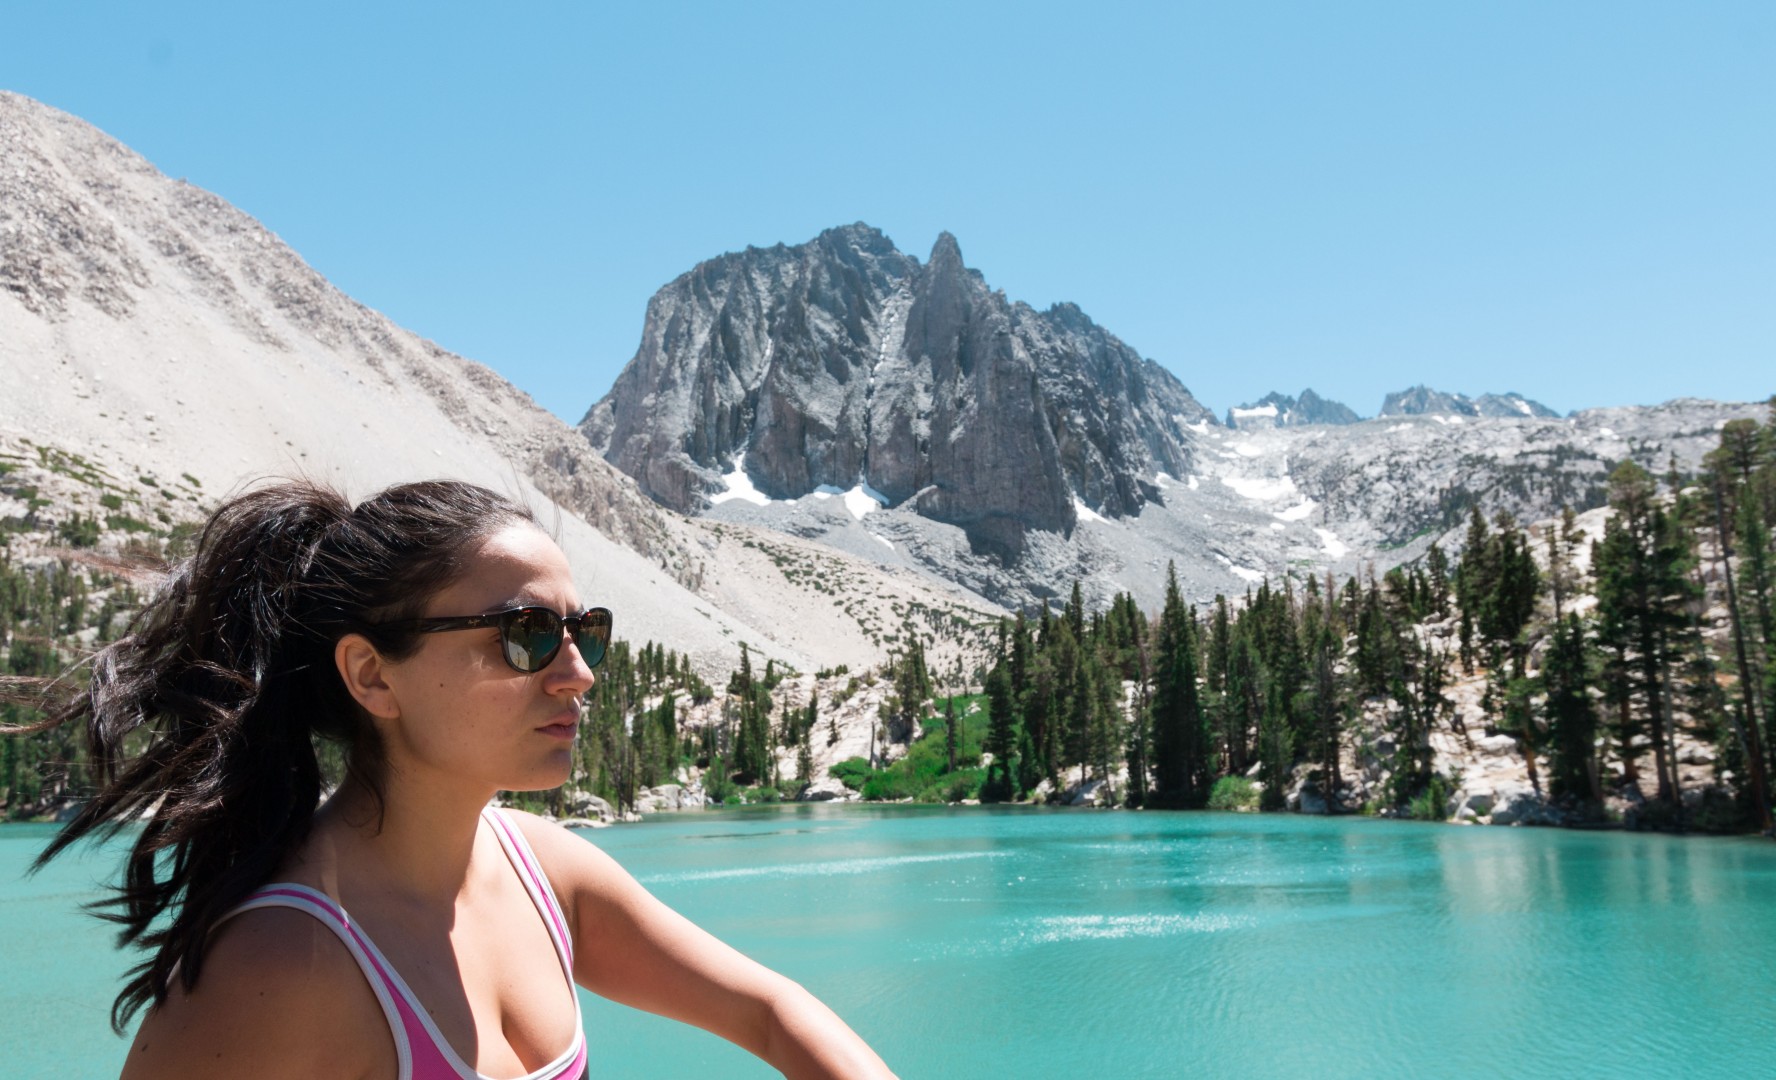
pixel 1572 200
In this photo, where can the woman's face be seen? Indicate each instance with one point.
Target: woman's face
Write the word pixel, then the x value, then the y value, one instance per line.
pixel 463 712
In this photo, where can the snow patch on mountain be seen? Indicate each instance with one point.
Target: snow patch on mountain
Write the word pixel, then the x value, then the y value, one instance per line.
pixel 740 486
pixel 1261 488
pixel 864 499
pixel 1331 544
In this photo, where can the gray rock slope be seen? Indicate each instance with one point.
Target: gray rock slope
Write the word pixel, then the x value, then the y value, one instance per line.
pixel 843 362
pixel 154 330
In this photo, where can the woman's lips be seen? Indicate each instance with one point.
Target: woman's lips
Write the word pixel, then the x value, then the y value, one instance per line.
pixel 565 727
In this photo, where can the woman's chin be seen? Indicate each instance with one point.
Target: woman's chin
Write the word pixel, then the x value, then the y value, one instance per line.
pixel 548 776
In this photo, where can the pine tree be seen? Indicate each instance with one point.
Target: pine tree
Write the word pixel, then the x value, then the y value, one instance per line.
pixel 1437 576
pixel 1572 723
pixel 753 755
pixel 1230 733
pixel 951 736
pixel 1001 735
pixel 1641 590
pixel 1178 758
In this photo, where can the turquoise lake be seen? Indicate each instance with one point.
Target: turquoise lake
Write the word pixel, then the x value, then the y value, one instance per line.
pixel 977 942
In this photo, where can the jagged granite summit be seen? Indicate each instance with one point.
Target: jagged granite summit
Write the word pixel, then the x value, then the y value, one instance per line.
pixel 843 363
pixel 1423 401
pixel 1281 410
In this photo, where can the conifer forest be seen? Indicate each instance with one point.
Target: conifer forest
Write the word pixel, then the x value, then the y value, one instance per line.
pixel 1602 645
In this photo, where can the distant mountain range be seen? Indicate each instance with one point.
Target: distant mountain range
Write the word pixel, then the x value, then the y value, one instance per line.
pixel 842 390
pixel 1423 401
pixel 1281 410
pixel 927 444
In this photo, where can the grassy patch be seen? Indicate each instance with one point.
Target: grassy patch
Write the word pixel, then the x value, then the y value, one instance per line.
pixel 924 775
pixel 1233 793
pixel 125 523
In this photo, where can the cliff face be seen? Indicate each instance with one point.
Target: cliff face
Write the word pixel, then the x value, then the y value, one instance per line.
pixel 843 361
pixel 766 353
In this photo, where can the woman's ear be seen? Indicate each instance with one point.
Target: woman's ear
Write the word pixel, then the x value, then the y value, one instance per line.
pixel 363 670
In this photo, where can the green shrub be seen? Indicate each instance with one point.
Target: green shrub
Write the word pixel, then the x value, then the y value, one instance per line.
pixel 717 784
pixel 964 784
pixel 125 523
pixel 1432 803
pixel 80 532
pixel 1233 793
pixel 851 772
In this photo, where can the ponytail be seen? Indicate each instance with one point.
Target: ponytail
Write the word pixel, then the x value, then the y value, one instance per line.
pixel 228 672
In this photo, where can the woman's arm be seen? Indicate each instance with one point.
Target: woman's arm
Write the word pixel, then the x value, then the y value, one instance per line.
pixel 631 948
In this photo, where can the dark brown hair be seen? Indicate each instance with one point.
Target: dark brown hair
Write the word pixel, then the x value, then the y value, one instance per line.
pixel 228 672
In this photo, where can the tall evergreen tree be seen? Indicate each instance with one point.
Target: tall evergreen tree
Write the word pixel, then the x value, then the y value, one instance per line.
pixel 1001 735
pixel 1641 590
pixel 1180 768
pixel 1572 723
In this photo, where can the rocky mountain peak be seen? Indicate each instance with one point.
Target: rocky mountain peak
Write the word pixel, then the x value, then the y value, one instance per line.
pixel 1423 401
pixel 946 255
pixel 1512 404
pixel 843 362
pixel 1281 410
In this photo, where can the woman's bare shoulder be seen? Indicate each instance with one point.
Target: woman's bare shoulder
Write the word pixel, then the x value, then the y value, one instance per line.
pixel 560 849
pixel 278 995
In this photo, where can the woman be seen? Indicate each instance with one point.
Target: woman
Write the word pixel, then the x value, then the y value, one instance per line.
pixel 402 929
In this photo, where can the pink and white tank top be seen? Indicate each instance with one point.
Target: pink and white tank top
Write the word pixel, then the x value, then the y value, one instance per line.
pixel 420 1047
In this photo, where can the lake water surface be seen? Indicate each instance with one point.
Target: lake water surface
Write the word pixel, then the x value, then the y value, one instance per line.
pixel 978 942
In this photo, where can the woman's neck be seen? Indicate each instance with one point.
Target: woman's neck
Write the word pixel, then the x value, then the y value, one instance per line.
pixel 417 842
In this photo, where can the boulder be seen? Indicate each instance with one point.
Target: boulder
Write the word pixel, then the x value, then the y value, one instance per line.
pixel 1089 793
pixel 668 797
pixel 1477 800
pixel 1518 804
pixel 826 789
pixel 584 804
pixel 1496 744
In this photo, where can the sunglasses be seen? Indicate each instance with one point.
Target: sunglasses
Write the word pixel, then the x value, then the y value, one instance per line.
pixel 530 637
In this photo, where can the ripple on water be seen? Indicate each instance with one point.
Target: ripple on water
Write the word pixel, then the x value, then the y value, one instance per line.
pixel 822 868
pixel 1056 928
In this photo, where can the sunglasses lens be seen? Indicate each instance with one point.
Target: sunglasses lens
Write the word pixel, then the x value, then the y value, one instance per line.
pixel 531 638
pixel 593 636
